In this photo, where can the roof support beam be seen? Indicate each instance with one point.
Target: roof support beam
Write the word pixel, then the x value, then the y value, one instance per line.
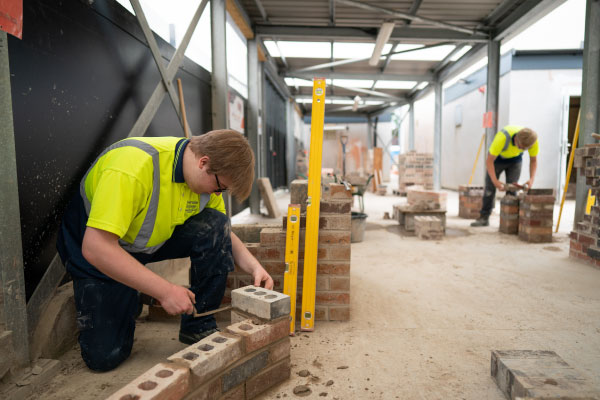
pixel 332 12
pixel 261 9
pixel 338 97
pixel 385 77
pixel 523 17
pixel 327 33
pixel 398 14
pixel 590 94
pixel 437 137
pixel 355 60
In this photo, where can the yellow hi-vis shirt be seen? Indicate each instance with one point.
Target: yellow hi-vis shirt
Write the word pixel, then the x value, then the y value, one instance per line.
pixel 135 189
pixel 503 145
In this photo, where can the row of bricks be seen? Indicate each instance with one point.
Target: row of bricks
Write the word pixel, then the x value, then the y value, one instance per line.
pixel 509 209
pixel 238 357
pixel 277 237
pixel 324 283
pixel 322 312
pixel 324 252
pixel 327 222
pixel 435 199
pixel 535 214
pixel 586 227
pixel 583 257
pixel 469 213
pixel 321 298
pixel 535 237
pixel 339 268
pixel 536 207
pixel 403 186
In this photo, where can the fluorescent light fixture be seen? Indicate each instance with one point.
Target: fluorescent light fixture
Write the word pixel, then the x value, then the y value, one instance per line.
pixel 354 83
pixel 395 84
pixel 382 37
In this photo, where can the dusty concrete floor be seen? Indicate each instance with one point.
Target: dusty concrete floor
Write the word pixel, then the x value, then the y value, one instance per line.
pixel 424 317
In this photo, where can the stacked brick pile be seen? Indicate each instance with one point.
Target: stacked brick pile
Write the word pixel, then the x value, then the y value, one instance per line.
pixel 415 169
pixel 509 214
pixel 252 355
pixel 470 199
pixel 536 210
pixel 332 301
pixel 585 238
pixel 429 227
pixel 419 199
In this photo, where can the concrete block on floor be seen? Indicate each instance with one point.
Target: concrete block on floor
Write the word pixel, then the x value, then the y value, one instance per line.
pixel 429 227
pixel 163 381
pixel 263 303
pixel 538 374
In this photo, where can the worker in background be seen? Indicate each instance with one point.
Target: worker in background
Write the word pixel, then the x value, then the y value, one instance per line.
pixel 506 155
pixel 145 200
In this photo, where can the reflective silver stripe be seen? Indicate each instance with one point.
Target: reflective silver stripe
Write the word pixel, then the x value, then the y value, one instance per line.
pixel 204 198
pixel 508 138
pixel 145 232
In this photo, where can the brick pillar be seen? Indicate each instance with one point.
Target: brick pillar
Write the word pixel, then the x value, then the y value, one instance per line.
pixel 470 199
pixel 536 210
pixel 509 214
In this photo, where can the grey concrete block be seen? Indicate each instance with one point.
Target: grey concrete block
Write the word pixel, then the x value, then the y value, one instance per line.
pixel 538 374
pixel 260 302
pixel 244 371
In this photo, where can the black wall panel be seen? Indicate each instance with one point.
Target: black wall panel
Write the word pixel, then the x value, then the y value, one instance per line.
pixel 80 77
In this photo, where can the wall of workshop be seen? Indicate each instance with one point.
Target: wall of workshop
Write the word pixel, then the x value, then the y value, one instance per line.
pixel 80 77
pixel 462 130
pixel 532 98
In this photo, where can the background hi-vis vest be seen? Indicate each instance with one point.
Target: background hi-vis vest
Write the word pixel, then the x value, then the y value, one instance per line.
pixel 130 191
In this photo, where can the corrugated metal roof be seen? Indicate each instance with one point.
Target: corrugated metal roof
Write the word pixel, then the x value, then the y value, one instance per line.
pixel 470 22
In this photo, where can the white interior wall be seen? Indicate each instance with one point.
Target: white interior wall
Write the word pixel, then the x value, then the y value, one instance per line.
pixel 537 102
pixel 424 119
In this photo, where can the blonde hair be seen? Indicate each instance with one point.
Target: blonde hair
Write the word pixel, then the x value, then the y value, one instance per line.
pixel 230 155
pixel 526 137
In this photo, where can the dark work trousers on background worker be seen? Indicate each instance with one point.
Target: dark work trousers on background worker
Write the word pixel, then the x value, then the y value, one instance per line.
pixel 512 169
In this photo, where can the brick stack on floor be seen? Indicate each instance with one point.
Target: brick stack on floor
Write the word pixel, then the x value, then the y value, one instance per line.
pixel 332 301
pixel 249 357
pixel 429 227
pixel 585 238
pixel 420 202
pixel 509 214
pixel 415 169
pixel 536 209
pixel 470 199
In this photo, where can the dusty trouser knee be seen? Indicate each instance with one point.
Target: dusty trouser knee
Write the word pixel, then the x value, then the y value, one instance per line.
pixel 106 321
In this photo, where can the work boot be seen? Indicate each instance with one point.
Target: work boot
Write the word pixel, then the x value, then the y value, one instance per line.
pixel 193 337
pixel 481 222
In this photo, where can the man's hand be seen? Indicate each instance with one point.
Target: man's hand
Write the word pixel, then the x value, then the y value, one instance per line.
pixel 529 184
pixel 499 185
pixel 178 300
pixel 260 275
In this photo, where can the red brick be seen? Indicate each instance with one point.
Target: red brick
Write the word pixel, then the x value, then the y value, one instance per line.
pixel 335 222
pixel 333 298
pixel 539 199
pixel 322 283
pixel 279 350
pixel 339 253
pixel 274 267
pixel 267 379
pixel 336 191
pixel 333 268
pixel 209 391
pixel 253 248
pixel 162 381
pixel 335 207
pixel 272 237
pixel 575 246
pixel 271 253
pixel 256 336
pixel 334 237
pixel 586 239
pixel 339 284
pixel 339 313
pixel 236 393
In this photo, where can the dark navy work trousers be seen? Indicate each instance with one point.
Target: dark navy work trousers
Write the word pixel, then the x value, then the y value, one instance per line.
pixel 512 170
pixel 106 309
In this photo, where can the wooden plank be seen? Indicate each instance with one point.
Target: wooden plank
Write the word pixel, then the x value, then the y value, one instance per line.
pixel 266 192
pixel 538 374
pixel 44 291
pixel 233 8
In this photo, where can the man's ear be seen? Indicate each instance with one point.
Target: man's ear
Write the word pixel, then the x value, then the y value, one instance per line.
pixel 202 161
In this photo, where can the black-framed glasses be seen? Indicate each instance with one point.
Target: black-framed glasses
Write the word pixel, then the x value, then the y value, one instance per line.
pixel 219 188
